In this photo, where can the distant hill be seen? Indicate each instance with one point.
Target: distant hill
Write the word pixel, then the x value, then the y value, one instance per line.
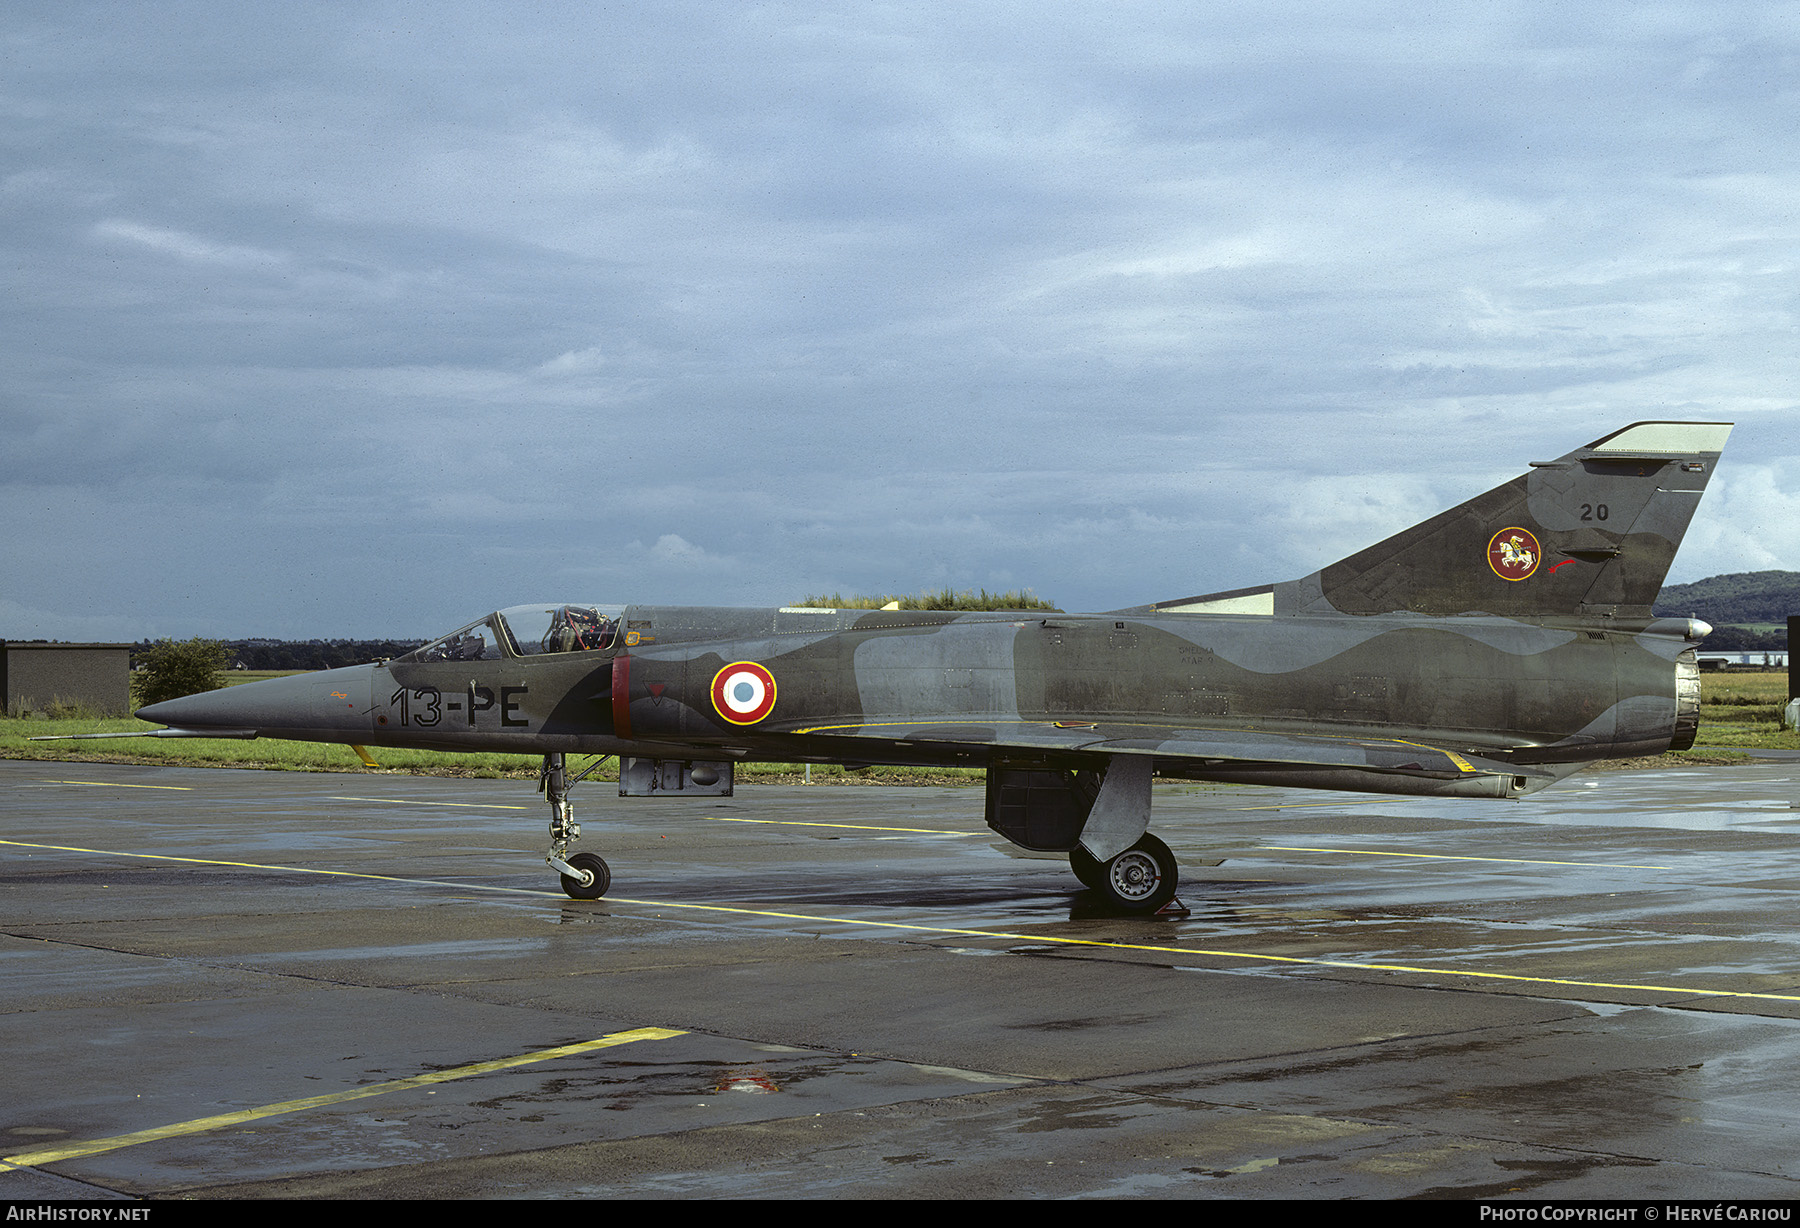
pixel 1742 597
pixel 1730 602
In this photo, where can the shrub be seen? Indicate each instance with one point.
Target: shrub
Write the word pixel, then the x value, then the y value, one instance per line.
pixel 168 670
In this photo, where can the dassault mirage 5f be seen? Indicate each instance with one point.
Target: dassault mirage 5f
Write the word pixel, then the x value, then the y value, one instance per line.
pixel 1487 652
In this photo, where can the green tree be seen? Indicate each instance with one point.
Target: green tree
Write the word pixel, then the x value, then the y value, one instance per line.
pixel 168 670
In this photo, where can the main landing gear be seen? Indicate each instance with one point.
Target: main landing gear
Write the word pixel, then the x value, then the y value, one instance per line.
pixel 585 876
pixel 1140 880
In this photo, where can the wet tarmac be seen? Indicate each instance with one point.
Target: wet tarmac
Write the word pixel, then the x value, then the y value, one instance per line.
pixel 236 984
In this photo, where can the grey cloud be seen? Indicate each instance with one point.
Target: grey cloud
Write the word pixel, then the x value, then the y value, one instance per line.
pixel 371 319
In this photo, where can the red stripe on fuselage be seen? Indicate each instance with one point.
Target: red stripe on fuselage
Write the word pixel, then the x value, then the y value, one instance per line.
pixel 621 696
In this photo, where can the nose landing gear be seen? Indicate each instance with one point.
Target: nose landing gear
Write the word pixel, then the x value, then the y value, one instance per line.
pixel 585 876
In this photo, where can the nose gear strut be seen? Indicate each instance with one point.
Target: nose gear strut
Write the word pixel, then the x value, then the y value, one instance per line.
pixel 585 876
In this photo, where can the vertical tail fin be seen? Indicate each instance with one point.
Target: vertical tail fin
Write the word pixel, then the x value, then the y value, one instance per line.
pixel 1591 533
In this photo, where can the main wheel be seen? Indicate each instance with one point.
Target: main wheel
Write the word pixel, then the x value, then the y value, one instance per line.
pixel 1141 879
pixel 1088 868
pixel 596 886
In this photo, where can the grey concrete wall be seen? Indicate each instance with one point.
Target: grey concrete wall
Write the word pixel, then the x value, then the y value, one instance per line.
pixel 36 675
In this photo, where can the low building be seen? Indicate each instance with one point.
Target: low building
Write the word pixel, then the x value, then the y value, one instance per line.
pixel 1758 659
pixel 34 677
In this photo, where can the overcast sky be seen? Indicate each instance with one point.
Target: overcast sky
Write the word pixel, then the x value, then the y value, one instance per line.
pixel 364 319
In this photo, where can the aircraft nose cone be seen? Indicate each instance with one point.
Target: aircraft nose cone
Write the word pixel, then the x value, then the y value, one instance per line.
pixel 162 713
pixel 189 712
pixel 330 705
pixel 208 709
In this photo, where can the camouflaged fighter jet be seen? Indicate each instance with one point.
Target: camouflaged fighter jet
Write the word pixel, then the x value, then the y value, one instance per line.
pixel 1487 652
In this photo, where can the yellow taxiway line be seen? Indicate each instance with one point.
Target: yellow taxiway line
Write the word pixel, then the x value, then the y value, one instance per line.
pixel 1509 861
pixel 915 831
pixel 413 801
pixel 202 1125
pixel 1197 951
pixel 113 784
pixel 1003 935
pixel 256 865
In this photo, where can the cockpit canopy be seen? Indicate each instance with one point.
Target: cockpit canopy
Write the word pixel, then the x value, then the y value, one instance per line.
pixel 528 631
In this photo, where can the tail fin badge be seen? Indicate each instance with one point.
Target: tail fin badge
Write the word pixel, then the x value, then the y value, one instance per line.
pixel 1513 553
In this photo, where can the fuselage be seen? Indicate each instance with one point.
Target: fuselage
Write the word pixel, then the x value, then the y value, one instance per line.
pixel 1543 691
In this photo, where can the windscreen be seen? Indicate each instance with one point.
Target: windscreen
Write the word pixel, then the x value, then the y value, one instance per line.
pixel 475 642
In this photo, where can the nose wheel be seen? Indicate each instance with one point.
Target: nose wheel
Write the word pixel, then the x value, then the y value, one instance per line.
pixel 594 877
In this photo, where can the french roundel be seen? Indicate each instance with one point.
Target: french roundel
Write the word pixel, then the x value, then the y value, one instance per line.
pixel 743 692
